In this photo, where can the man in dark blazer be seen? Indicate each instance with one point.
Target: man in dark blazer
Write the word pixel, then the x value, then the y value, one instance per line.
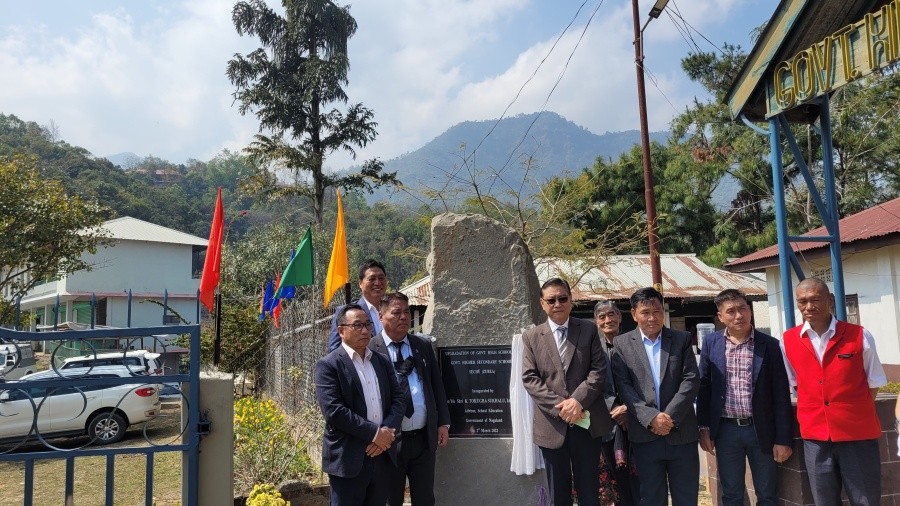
pixel 744 404
pixel 564 368
pixel 656 376
pixel 373 283
pixel 427 422
pixel 362 404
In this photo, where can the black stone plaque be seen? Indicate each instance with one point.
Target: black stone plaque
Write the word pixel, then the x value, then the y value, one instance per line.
pixel 476 379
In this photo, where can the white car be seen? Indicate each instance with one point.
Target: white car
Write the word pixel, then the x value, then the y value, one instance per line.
pixel 101 412
pixel 140 361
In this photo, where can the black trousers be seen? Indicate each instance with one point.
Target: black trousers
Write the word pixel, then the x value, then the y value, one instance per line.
pixel 578 459
pixel 416 462
pixel 368 488
pixel 854 466
pixel 664 469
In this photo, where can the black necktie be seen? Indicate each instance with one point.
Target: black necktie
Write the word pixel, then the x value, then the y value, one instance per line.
pixel 402 368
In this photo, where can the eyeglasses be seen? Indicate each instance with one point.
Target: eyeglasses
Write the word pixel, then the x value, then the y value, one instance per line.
pixel 358 326
pixel 552 300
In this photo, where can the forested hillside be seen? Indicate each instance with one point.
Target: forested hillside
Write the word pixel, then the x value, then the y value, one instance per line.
pixel 397 235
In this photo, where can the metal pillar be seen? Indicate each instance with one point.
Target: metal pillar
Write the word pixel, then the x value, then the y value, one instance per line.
pixel 837 265
pixel 784 247
pixel 828 210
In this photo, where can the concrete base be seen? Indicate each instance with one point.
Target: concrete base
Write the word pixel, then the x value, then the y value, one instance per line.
pixel 475 472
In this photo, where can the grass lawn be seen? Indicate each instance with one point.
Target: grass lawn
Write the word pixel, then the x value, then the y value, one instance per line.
pixel 90 472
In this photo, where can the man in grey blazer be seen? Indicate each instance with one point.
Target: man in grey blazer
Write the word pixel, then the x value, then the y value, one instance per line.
pixel 426 423
pixel 564 368
pixel 656 376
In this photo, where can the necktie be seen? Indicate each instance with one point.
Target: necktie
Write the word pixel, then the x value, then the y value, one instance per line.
pixel 561 340
pixel 403 369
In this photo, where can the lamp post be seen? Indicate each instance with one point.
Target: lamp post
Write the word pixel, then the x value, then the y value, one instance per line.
pixel 649 196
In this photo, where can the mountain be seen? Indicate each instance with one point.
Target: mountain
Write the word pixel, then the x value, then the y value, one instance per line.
pixel 492 153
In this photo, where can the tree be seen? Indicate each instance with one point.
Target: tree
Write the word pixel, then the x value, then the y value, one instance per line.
pixel 289 83
pixel 43 231
pixel 864 126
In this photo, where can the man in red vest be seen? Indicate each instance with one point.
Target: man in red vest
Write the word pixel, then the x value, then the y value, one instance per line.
pixel 836 372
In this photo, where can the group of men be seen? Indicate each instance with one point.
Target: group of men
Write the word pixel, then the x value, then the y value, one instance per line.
pixel 383 401
pixel 650 380
pixel 629 397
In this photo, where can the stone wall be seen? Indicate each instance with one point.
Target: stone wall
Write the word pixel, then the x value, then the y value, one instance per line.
pixel 793 485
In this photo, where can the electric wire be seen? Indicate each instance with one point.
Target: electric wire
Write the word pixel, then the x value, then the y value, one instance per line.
pixel 549 95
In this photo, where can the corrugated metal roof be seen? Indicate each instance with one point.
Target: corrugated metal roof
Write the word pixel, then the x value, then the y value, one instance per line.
pixel 133 229
pixel 684 277
pixel 419 292
pixel 878 221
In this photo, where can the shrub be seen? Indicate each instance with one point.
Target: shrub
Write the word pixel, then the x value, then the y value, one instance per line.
pixel 266 495
pixel 265 451
pixel 893 387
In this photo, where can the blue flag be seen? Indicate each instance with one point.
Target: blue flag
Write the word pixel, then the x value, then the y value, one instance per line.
pixel 266 302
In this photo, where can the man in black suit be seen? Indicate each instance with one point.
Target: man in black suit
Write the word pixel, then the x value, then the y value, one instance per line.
pixel 373 283
pixel 656 376
pixel 427 422
pixel 744 405
pixel 563 370
pixel 362 404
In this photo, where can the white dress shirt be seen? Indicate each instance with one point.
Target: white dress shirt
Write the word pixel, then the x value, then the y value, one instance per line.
pixel 871 364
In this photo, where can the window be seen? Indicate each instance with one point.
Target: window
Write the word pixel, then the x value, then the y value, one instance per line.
pixel 198 257
pixel 852 302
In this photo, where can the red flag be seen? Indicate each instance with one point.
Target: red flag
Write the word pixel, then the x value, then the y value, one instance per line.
pixel 210 279
pixel 276 311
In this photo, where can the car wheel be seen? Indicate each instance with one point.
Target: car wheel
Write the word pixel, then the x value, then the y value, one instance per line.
pixel 107 428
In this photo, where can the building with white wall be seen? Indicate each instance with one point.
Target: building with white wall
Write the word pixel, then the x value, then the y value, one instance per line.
pixel 150 260
pixel 870 250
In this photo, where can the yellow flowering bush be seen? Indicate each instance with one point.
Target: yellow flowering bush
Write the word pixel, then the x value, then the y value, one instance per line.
pixel 265 451
pixel 266 495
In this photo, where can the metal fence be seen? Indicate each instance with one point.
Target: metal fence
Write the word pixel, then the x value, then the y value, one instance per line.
pixel 39 401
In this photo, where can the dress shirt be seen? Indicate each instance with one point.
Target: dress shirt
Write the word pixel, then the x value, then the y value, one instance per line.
pixel 738 378
pixel 554 329
pixel 874 371
pixel 652 349
pixel 419 417
pixel 366 372
pixel 373 315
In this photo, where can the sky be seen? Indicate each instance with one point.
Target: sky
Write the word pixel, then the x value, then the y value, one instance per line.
pixel 118 76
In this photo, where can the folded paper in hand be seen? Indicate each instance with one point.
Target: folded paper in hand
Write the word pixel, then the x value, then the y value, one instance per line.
pixel 585 421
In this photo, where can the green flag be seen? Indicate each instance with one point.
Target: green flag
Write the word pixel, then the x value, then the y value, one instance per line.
pixel 299 270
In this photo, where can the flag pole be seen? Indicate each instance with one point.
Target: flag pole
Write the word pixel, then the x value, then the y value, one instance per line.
pixel 346 293
pixel 217 341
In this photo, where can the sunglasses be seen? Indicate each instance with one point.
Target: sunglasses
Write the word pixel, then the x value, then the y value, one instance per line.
pixel 552 300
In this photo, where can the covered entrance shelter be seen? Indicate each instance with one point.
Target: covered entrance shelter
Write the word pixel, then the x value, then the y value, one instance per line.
pixel 809 49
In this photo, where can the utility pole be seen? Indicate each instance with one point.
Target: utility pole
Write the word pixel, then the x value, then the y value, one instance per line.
pixel 649 195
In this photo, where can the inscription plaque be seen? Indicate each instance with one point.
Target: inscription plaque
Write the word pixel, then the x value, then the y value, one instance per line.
pixel 476 379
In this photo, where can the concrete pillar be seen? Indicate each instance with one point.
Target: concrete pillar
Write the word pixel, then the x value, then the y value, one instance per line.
pixel 216 473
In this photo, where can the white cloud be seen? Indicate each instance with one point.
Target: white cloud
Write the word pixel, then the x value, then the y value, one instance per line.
pixel 151 78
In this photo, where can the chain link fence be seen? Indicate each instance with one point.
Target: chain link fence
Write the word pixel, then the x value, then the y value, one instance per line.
pixel 287 374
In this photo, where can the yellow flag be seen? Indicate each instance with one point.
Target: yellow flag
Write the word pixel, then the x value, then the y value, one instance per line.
pixel 338 272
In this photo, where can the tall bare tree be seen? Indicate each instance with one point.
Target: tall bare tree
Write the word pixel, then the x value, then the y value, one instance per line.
pixel 290 83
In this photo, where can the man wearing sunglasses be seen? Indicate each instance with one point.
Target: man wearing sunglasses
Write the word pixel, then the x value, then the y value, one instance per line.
pixel 363 406
pixel 564 368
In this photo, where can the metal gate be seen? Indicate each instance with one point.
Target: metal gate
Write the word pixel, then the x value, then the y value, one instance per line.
pixel 82 384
